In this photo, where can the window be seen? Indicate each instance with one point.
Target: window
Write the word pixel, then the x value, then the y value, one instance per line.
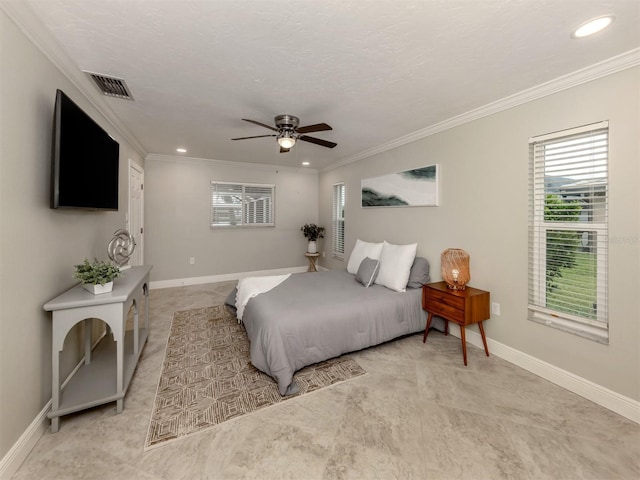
pixel 568 229
pixel 337 220
pixel 242 204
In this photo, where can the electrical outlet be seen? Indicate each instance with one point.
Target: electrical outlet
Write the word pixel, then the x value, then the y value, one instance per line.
pixel 495 308
pixel 192 260
pixel 323 254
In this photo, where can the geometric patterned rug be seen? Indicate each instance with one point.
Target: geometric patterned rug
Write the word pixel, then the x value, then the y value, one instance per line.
pixel 207 377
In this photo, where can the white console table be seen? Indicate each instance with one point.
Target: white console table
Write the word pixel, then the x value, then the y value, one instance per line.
pixel 105 375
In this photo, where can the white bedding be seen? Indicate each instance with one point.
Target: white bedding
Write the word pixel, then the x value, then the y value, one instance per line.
pixel 252 286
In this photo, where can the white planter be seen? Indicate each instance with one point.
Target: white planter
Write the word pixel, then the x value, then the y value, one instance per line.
pixel 98 289
pixel 312 247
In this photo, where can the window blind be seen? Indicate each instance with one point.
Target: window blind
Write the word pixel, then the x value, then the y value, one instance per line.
pixel 568 230
pixel 338 219
pixel 239 204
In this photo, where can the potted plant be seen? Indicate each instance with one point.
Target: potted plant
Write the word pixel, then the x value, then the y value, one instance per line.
pixel 96 277
pixel 312 232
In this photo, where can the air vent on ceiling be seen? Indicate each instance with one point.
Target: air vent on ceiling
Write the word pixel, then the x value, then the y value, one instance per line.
pixel 111 86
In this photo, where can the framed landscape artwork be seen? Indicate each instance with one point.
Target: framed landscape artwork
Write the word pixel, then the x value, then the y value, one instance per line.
pixel 411 188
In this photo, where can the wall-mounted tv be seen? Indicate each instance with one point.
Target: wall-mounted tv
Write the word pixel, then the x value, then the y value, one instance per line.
pixel 84 160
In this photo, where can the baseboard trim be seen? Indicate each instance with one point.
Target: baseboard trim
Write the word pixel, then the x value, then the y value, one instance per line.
pixel 620 404
pixel 19 451
pixel 226 277
pixel 11 462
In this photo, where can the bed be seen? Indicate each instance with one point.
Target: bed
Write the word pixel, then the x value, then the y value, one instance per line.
pixel 311 317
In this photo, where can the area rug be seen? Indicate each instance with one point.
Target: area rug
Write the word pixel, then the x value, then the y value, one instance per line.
pixel 207 377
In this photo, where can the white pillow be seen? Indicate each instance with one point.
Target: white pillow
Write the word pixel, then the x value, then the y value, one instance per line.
pixel 360 252
pixel 395 265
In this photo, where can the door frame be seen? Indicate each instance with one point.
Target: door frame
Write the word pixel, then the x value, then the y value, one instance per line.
pixel 133 166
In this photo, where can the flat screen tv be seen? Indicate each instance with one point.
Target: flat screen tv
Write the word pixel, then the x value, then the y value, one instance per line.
pixel 84 160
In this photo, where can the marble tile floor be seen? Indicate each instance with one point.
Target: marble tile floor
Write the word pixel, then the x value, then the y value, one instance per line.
pixel 418 414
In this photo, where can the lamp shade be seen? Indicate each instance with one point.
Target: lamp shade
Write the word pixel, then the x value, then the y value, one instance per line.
pixel 454 267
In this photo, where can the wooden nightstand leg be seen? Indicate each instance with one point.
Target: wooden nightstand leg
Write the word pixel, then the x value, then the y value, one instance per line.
pixel 426 330
pixel 464 344
pixel 484 338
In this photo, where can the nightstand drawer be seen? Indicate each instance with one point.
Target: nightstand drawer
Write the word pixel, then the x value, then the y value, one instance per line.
pixel 434 296
pixel 438 307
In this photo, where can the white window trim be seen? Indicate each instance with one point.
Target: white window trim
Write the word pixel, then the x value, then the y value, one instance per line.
pixel 244 211
pixel 336 219
pixel 597 330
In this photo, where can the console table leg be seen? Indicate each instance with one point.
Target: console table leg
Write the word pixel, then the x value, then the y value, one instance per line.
pixel 145 291
pixel 88 333
pixel 55 424
pixel 55 389
pixel 136 332
pixel 120 371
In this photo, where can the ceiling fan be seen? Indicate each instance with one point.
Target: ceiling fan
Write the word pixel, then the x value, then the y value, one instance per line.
pixel 288 132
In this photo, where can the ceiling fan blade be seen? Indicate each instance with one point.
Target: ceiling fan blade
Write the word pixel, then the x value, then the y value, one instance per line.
pixel 317 141
pixel 318 127
pixel 256 136
pixel 261 124
pixel 284 150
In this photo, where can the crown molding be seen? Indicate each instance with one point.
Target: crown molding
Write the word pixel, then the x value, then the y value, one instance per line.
pixel 36 31
pixel 602 69
pixel 159 157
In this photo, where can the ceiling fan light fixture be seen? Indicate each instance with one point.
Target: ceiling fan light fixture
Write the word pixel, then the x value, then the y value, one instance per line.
pixel 286 140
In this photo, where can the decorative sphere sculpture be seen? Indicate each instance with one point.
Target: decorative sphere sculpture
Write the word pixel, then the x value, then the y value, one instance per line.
pixel 121 247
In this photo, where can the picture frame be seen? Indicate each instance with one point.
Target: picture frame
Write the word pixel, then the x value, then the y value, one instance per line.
pixel 417 187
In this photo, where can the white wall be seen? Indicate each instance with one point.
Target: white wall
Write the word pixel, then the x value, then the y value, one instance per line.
pixel 178 212
pixel 38 246
pixel 484 188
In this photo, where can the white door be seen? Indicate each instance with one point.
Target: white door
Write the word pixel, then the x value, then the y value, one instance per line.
pixel 135 223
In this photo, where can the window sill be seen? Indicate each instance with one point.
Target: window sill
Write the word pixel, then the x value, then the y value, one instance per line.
pixel 595 333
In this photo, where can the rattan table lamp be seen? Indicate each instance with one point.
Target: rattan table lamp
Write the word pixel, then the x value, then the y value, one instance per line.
pixel 454 267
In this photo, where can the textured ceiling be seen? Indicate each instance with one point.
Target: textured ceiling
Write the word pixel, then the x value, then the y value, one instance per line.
pixel 374 70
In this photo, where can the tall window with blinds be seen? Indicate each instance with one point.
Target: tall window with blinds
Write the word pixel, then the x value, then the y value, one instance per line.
pixel 242 205
pixel 337 220
pixel 568 230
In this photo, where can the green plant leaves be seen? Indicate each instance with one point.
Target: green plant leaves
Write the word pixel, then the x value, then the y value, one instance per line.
pixel 312 232
pixel 97 273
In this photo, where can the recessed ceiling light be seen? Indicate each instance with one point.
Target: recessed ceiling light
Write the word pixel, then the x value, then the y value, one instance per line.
pixel 306 163
pixel 181 150
pixel 593 26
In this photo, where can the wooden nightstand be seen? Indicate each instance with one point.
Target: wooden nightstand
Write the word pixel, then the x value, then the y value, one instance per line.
pixel 463 307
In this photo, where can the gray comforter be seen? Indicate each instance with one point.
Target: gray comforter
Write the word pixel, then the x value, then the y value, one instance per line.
pixel 311 317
